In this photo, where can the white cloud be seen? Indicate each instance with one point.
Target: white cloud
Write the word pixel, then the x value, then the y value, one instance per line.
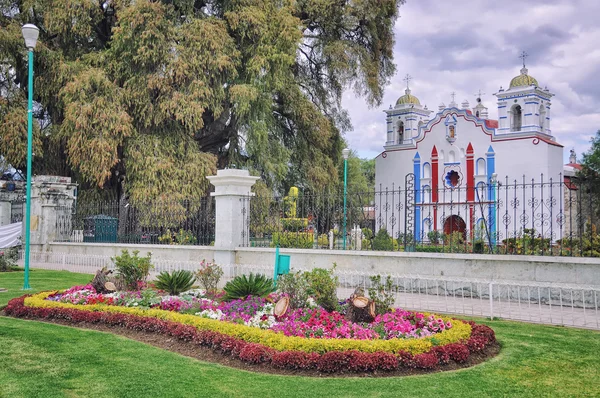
pixel 463 48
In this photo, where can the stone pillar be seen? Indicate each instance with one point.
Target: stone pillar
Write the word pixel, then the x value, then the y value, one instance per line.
pixel 52 199
pixel 232 189
pixel 5 212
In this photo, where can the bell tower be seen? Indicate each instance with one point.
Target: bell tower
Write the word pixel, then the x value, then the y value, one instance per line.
pixel 405 119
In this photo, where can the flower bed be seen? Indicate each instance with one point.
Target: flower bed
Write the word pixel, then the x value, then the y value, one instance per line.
pixel 235 326
pixel 334 361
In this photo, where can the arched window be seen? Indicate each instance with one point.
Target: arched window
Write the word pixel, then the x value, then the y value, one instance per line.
pixel 451 157
pixel 480 167
pixel 517 118
pixel 426 170
pixel 477 113
pixel 480 195
pixel 426 194
pixel 400 132
pixel 543 118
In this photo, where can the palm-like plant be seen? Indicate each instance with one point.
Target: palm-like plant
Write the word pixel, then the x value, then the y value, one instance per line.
pixel 253 285
pixel 175 282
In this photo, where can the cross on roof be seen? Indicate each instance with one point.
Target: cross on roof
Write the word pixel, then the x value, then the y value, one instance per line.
pixel 453 94
pixel 407 79
pixel 523 55
pixel 479 94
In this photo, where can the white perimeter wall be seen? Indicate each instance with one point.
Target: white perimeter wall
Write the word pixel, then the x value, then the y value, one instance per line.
pixel 570 270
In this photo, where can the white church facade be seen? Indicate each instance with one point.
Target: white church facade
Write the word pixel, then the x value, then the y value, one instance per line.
pixel 448 166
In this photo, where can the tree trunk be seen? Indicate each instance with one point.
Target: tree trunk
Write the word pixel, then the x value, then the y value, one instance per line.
pixel 361 309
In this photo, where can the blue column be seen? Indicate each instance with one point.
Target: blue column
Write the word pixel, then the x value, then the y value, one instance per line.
pixel 417 172
pixel 491 194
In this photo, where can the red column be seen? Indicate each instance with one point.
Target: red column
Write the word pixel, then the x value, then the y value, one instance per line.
pixel 470 186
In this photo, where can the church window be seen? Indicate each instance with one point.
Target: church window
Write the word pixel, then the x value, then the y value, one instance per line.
pixel 452 133
pixel 542 118
pixel 517 118
pixel 477 113
pixel 451 157
pixel 452 179
pixel 426 170
pixel 480 167
pixel 400 132
pixel 426 194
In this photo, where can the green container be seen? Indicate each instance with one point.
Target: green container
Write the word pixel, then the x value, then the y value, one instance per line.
pixel 100 228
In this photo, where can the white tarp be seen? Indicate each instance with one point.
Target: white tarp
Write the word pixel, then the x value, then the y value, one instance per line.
pixel 10 235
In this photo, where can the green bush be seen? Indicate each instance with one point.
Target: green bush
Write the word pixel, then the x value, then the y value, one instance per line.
pixel 323 241
pixel 294 224
pixel 183 237
pixel 299 240
pixel 243 286
pixel 382 294
pixel 322 286
pixel 175 282
pixel 295 285
pixel 209 276
pixel 383 241
pixel 133 270
pixel 8 258
pixel 434 237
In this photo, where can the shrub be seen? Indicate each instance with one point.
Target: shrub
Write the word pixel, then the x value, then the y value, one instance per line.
pixel 255 353
pixel 457 352
pixel 295 285
pixel 133 270
pixel 383 241
pixel 8 258
pixel 298 240
pixel 434 237
pixel 175 282
pixel 253 285
pixel 209 276
pixel 294 224
pixel 322 286
pixel 382 294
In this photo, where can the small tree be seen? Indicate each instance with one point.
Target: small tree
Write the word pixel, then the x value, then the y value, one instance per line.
pixel 133 269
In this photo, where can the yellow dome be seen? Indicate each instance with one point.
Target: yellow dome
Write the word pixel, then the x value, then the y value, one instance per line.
pixel 408 98
pixel 523 80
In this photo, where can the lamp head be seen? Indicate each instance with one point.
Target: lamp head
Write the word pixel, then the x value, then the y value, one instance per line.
pixel 30 34
pixel 345 153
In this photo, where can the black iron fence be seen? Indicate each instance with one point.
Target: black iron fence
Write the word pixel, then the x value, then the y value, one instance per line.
pixel 174 223
pixel 526 217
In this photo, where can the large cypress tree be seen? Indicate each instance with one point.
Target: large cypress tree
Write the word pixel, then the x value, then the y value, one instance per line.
pixel 148 97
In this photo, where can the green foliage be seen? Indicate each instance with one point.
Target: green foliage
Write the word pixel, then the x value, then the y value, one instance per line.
pixel 162 92
pixel 529 243
pixel 299 240
pixel 296 286
pixel 434 237
pixel 243 286
pixel 478 246
pixel 323 241
pixel 209 276
pixel 382 293
pixel 322 286
pixel 133 269
pixel 294 224
pixel 183 237
pixel 383 241
pixel 291 203
pixel 455 242
pixel 8 258
pixel 175 282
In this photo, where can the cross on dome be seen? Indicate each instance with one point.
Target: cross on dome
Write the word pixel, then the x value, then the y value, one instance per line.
pixel 407 79
pixel 523 55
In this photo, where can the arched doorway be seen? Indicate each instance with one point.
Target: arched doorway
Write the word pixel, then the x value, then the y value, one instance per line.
pixel 455 224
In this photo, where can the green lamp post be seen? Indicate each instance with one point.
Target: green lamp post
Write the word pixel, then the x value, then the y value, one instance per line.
pixel 30 34
pixel 345 154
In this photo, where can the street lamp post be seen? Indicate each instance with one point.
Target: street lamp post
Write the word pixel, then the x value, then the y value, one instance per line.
pixel 345 154
pixel 30 34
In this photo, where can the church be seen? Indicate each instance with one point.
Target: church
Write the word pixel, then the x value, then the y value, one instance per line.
pixel 459 170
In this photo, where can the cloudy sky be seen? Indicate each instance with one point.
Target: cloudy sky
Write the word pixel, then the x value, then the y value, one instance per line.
pixel 470 45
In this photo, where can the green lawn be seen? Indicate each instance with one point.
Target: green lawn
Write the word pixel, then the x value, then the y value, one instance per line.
pixel 46 360
pixel 39 280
